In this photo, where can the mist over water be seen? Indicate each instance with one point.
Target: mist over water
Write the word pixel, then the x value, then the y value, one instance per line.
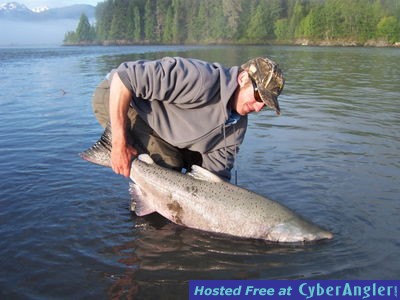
pixel 18 33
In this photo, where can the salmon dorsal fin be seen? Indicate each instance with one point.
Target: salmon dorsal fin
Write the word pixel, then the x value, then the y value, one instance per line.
pixel 200 173
pixel 146 158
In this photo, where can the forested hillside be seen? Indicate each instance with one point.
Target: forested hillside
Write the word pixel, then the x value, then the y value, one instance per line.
pixel 346 22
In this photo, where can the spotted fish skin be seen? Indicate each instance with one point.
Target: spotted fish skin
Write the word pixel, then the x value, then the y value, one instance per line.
pixel 201 200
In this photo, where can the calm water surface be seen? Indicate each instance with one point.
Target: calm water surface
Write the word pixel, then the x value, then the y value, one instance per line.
pixel 333 156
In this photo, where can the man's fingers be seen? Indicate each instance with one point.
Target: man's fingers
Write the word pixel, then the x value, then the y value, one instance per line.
pixel 122 171
pixel 126 172
pixel 121 159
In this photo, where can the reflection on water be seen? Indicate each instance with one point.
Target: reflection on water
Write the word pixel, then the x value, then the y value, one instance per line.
pixel 333 157
pixel 159 256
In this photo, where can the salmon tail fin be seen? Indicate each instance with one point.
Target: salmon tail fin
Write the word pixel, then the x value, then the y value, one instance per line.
pixel 100 152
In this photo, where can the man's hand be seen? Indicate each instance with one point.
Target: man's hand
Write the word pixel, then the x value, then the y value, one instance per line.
pixel 121 159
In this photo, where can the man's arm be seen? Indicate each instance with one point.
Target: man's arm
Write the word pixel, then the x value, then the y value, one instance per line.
pixel 121 152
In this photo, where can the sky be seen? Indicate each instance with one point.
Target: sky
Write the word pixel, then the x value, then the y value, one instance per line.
pixel 51 3
pixel 39 33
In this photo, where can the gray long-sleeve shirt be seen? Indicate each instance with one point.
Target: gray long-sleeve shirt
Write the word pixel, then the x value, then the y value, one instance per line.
pixel 185 101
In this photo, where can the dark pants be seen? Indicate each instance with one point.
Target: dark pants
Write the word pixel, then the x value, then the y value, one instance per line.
pixel 142 137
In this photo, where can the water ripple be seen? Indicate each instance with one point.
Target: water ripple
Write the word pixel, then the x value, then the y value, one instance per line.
pixel 333 157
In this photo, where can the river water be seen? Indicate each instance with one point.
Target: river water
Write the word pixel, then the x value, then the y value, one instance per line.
pixel 333 156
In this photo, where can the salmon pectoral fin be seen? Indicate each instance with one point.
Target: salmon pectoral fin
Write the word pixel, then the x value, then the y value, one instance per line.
pixel 139 202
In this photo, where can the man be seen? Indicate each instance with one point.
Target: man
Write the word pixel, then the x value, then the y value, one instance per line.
pixel 184 111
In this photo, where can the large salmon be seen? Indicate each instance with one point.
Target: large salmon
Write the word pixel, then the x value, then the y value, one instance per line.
pixel 201 200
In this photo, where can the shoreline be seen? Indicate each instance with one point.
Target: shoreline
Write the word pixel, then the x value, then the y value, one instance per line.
pixel 299 42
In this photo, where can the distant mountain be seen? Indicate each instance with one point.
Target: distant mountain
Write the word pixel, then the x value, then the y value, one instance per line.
pixel 40 9
pixel 19 12
pixel 69 12
pixel 14 10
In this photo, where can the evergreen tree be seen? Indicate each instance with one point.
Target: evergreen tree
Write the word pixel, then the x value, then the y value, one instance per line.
pixel 217 26
pixel 84 31
pixel 149 22
pixel 195 23
pixel 334 19
pixel 312 26
pixel 232 10
pixel 178 26
pixel 120 21
pixel 281 29
pixel 258 30
pixel 203 21
pixel 137 24
pixel 389 29
pixel 104 16
pixel 130 26
pixel 169 26
pixel 299 12
pixel 70 38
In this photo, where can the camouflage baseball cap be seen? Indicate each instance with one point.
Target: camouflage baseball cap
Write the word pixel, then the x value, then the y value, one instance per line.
pixel 269 80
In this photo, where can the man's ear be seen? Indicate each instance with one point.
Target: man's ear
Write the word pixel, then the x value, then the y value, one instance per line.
pixel 243 78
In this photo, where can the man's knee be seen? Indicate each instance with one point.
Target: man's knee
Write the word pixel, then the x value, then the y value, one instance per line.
pixel 164 154
pixel 100 103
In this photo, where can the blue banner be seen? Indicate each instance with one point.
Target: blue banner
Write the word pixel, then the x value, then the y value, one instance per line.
pixel 294 289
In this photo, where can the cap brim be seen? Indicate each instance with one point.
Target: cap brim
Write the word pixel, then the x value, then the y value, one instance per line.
pixel 269 99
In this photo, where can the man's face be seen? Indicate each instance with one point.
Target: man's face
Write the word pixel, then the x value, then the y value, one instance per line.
pixel 245 101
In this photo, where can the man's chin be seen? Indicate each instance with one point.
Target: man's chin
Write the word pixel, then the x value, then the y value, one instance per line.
pixel 245 111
